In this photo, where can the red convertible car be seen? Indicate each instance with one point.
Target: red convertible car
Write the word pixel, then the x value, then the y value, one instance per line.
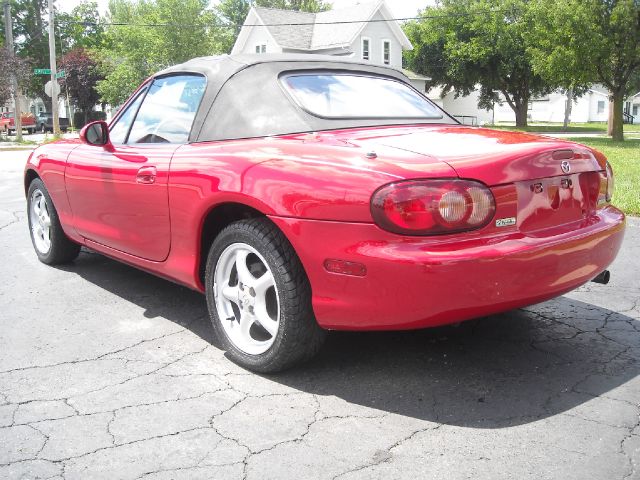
pixel 303 194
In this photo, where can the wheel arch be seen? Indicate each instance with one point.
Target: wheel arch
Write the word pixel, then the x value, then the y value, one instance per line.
pixel 215 220
pixel 29 176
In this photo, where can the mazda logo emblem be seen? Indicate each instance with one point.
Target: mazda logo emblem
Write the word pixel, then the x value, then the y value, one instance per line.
pixel 566 167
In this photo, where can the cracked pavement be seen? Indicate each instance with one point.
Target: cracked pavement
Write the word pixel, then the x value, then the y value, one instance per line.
pixel 108 372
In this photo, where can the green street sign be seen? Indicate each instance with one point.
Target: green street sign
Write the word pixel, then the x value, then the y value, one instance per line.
pixel 60 74
pixel 42 71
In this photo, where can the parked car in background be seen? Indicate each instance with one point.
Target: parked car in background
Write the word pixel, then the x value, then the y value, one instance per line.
pixel 8 123
pixel 304 193
pixel 44 122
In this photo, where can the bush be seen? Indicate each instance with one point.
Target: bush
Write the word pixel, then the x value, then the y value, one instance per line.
pixel 95 115
pixel 78 119
pixel 92 116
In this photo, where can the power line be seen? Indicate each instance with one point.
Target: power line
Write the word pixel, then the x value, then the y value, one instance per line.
pixel 290 24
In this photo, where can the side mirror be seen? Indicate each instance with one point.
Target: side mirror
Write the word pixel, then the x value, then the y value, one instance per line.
pixel 96 133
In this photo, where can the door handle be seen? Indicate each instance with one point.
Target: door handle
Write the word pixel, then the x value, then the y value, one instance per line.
pixel 146 175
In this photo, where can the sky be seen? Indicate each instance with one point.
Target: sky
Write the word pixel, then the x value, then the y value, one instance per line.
pixel 400 8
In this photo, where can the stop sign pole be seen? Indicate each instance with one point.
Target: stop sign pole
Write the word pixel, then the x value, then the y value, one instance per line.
pixel 54 80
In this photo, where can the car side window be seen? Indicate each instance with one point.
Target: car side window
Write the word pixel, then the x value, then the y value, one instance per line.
pixel 168 110
pixel 119 130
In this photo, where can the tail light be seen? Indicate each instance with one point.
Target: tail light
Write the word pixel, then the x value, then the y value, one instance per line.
pixel 606 185
pixel 432 207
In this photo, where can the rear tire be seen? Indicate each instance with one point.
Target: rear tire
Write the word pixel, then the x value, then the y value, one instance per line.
pixel 51 244
pixel 259 298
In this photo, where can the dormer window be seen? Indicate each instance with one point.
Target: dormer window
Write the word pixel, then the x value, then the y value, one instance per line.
pixel 261 49
pixel 366 45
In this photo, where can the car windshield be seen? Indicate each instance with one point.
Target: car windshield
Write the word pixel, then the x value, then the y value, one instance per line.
pixel 358 96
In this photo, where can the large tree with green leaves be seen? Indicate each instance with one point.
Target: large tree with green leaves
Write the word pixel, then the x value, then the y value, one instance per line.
pixel 588 40
pixel 145 36
pixel 80 28
pixel 30 39
pixel 461 44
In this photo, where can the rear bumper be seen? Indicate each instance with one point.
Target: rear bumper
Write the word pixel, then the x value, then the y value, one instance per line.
pixel 415 283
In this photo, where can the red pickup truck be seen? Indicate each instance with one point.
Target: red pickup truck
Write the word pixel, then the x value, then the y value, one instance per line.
pixel 8 126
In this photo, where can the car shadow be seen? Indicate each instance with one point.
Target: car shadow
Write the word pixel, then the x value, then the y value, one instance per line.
pixel 499 371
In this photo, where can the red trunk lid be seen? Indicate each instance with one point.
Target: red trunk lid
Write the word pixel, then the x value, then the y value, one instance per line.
pixel 556 182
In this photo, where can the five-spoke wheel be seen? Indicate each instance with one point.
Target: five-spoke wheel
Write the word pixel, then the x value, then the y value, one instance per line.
pixel 49 240
pixel 259 297
pixel 40 221
pixel 246 298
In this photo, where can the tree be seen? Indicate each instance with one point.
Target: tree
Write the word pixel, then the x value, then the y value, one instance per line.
pixel 460 44
pixel 81 77
pixel 31 40
pixel 148 35
pixel 81 28
pixel 589 40
pixel 12 66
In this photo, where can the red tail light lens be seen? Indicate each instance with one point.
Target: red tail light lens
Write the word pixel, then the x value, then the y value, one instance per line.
pixel 432 207
pixel 606 186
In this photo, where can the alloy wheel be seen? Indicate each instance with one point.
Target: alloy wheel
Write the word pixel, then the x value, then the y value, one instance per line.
pixel 40 222
pixel 246 298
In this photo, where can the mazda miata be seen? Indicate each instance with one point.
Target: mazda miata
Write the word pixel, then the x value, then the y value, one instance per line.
pixel 305 193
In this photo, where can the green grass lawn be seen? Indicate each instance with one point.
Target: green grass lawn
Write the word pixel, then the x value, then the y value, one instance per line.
pixel 625 160
pixel 592 127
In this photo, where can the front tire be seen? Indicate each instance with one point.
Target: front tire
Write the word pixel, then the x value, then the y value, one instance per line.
pixel 51 244
pixel 259 298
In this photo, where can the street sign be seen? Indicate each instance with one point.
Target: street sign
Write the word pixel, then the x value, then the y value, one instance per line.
pixel 42 71
pixel 60 74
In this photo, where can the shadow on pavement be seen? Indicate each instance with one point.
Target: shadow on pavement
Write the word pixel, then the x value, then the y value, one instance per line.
pixel 499 371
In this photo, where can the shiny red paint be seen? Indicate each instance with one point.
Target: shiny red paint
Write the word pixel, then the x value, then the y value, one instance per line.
pixel 317 189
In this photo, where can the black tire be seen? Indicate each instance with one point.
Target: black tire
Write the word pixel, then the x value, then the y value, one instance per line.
pixel 31 131
pixel 299 337
pixel 62 249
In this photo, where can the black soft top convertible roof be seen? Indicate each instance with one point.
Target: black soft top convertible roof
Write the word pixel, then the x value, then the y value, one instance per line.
pixel 244 98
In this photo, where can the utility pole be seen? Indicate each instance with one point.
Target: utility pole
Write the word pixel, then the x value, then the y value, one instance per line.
pixel 54 80
pixel 15 92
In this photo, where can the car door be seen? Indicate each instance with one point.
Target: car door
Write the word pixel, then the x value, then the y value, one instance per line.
pixel 119 198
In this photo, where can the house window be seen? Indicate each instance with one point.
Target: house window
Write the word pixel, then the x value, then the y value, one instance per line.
pixel 365 48
pixel 600 106
pixel 635 110
pixel 261 49
pixel 386 52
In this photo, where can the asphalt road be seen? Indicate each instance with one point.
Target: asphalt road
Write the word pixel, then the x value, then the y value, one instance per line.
pixel 107 372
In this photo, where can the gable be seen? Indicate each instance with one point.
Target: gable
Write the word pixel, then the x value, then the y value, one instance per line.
pixel 319 31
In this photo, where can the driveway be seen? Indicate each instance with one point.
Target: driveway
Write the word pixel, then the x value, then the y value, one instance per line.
pixel 107 372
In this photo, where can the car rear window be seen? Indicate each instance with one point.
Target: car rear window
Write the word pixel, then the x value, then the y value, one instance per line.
pixel 357 96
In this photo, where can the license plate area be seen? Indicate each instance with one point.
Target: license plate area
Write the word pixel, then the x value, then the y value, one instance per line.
pixel 550 202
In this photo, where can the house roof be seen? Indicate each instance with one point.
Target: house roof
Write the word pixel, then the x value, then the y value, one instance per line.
pixel 318 31
pixel 294 36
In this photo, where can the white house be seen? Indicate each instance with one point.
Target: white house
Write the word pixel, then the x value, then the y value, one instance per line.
pixel 593 106
pixel 366 31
